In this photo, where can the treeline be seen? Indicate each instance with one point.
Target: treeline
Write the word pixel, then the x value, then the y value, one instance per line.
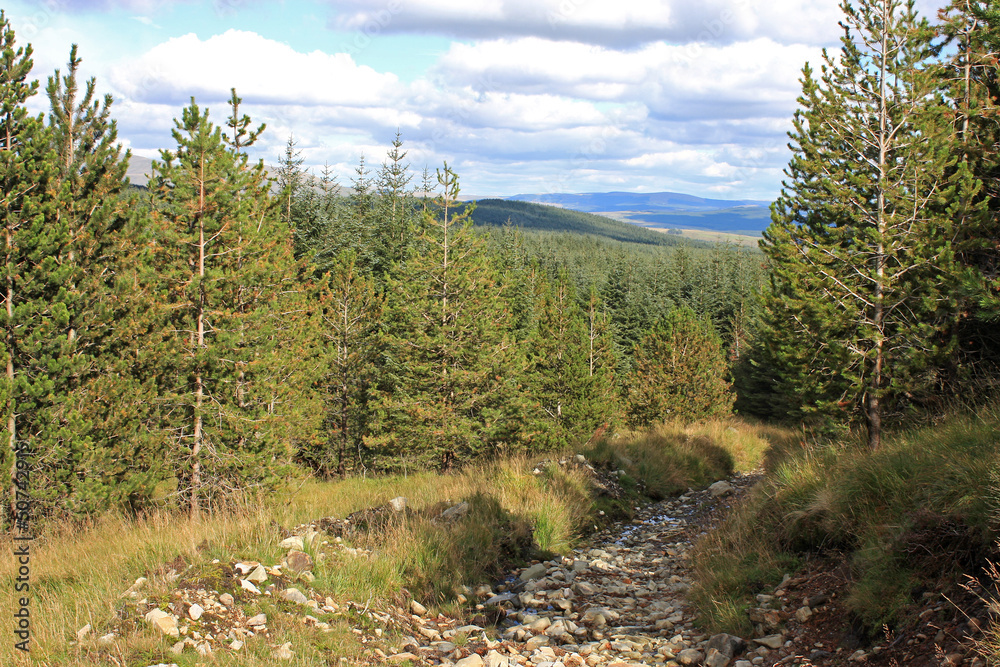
pixel 211 335
pixel 883 246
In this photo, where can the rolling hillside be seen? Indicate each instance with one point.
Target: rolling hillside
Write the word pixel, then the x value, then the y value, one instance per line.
pixel 539 217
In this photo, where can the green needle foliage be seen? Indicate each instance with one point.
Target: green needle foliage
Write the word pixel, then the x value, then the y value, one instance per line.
pixel 223 272
pixel 679 373
pixel 450 360
pixel 864 275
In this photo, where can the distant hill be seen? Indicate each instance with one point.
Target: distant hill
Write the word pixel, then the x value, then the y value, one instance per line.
pixel 748 220
pixel 540 217
pixel 139 170
pixel 666 210
pixel 592 202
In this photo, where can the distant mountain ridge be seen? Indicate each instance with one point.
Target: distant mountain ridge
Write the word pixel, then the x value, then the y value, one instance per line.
pixel 666 210
pixel 594 202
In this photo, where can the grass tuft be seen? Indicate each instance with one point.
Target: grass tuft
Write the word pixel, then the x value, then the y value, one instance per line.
pixel 895 512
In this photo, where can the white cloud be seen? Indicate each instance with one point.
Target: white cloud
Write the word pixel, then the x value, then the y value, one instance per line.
pixel 262 71
pixel 606 22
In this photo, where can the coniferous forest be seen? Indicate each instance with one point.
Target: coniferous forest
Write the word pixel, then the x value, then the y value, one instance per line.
pixel 230 327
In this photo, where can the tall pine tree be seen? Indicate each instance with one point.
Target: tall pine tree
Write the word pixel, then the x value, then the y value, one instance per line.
pixel 863 270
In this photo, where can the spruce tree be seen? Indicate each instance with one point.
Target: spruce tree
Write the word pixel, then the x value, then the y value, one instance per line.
pixel 969 34
pixel 864 275
pixel 351 311
pixel 566 374
pixel 448 372
pixel 680 373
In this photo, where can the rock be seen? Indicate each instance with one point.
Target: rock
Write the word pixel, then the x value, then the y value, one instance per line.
pixel 258 575
pixel 950 660
pixel 714 658
pixel 298 561
pixel 861 656
pixel 166 623
pixel 417 608
pixel 501 599
pixel 455 512
pixel 248 586
pixel 720 488
pixel 83 632
pixel 817 600
pixel 203 648
pixel 541 625
pixel 534 572
pixel 802 614
pixel 257 621
pixel 293 595
pixel 177 648
pixel 728 645
pixel 227 600
pixel 473 660
pixel 690 656
pixel 236 645
pixel 403 657
pixel 284 652
pixel 293 542
pixel 494 659
pixel 397 504
pixel 771 641
pixel 195 611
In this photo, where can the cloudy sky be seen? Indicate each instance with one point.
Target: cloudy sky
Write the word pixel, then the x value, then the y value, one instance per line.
pixel 519 96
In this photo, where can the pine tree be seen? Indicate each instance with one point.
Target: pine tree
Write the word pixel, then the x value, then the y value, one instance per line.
pixel 224 267
pixel 968 75
pixel 863 272
pixel 449 356
pixel 31 243
pixel 679 373
pixel 81 465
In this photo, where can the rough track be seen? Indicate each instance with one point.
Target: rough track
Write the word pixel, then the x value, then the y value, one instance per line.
pixel 619 601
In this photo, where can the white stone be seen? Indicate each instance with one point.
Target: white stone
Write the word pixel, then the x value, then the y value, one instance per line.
pixel 471 661
pixel 293 542
pixel 248 586
pixel 417 608
pixel 166 623
pixel 257 621
pixel 284 652
pixel 195 611
pixel 293 595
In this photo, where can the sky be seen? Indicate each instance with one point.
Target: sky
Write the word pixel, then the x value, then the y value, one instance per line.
pixel 517 96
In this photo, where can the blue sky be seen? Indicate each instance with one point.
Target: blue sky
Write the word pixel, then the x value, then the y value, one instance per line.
pixel 518 96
